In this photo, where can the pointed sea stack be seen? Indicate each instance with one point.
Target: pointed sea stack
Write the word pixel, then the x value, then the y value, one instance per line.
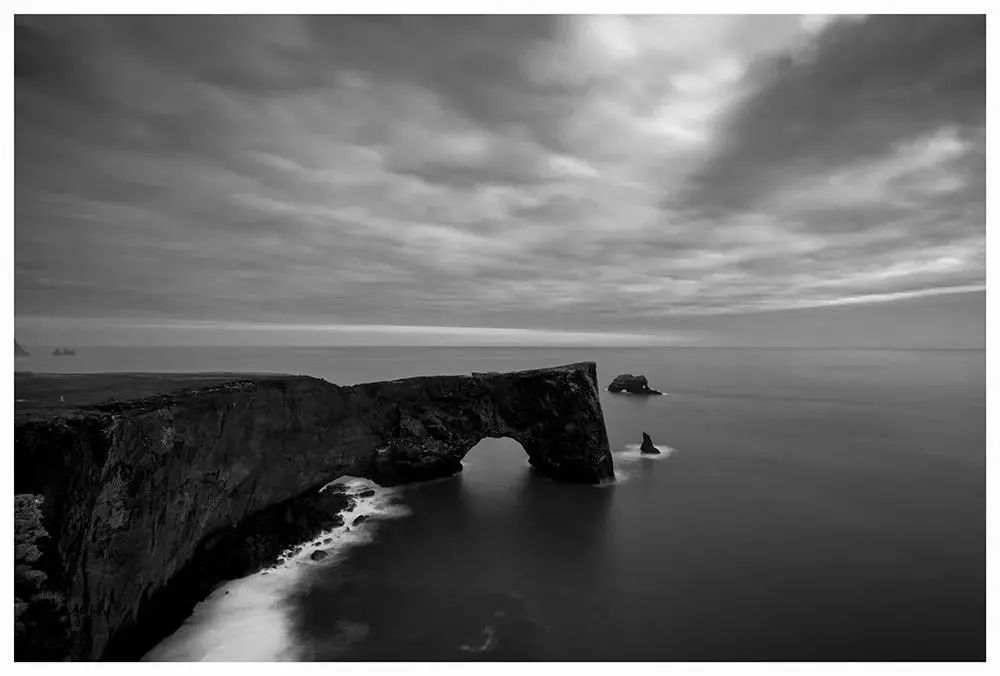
pixel 647 447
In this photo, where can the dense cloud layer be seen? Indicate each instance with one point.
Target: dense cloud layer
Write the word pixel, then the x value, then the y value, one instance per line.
pixel 575 172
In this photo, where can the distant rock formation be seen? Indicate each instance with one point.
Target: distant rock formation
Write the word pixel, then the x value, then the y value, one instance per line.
pixel 20 351
pixel 647 447
pixel 63 352
pixel 631 384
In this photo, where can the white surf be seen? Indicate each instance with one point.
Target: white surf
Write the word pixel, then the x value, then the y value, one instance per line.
pixel 248 619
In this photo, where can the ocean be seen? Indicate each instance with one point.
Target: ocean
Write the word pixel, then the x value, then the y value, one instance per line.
pixel 808 505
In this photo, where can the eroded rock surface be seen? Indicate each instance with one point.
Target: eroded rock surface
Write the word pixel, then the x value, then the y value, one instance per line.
pixel 627 382
pixel 137 491
pixel 647 447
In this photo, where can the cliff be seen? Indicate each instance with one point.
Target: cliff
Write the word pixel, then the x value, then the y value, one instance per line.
pixel 134 489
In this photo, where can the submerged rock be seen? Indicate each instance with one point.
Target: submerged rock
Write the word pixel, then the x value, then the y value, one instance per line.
pixel 627 382
pixel 318 555
pixel 360 519
pixel 647 447
pixel 366 494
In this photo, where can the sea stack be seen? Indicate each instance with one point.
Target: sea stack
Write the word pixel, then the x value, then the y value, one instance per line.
pixel 647 447
pixel 631 384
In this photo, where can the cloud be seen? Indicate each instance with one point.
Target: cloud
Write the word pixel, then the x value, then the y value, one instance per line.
pixel 110 331
pixel 569 174
pixel 863 87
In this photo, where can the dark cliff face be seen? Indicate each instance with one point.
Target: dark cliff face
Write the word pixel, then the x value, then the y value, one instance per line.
pixel 133 489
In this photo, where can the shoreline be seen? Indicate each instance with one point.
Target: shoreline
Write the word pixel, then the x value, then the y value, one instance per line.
pixel 245 618
pixel 154 488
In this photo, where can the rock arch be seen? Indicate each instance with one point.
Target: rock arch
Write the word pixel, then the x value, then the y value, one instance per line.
pixel 133 487
pixel 553 413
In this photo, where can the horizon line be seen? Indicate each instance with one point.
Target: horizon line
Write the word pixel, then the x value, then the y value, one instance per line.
pixel 169 322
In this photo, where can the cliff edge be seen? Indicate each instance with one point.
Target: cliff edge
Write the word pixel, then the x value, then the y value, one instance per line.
pixel 134 473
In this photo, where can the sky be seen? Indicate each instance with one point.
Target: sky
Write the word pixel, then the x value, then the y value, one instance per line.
pixel 501 179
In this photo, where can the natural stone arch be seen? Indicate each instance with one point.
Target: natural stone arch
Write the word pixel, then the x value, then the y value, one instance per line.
pixel 554 414
pixel 137 472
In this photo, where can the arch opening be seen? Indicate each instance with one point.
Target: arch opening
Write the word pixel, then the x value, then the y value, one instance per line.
pixel 495 471
pixel 497 456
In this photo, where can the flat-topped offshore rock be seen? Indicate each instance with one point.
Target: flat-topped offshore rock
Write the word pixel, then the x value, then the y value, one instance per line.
pixel 631 384
pixel 139 477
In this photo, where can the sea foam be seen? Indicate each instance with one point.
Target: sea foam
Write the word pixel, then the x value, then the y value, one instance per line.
pixel 627 459
pixel 247 619
pixel 633 453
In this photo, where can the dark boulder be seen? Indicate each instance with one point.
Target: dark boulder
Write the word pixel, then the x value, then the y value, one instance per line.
pixel 318 555
pixel 359 520
pixel 627 382
pixel 647 447
pixel 366 494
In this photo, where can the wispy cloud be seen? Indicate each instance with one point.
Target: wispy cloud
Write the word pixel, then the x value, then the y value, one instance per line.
pixel 112 331
pixel 568 174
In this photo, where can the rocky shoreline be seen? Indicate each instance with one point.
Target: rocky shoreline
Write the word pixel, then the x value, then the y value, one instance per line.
pixel 259 542
pixel 144 491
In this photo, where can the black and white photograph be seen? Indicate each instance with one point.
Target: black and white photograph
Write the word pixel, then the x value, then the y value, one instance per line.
pixel 528 334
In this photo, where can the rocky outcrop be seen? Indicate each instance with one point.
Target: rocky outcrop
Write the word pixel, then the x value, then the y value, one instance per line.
pixel 627 382
pixel 259 541
pixel 647 447
pixel 40 627
pixel 137 493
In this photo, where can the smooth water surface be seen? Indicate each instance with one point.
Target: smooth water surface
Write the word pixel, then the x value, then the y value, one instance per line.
pixel 817 505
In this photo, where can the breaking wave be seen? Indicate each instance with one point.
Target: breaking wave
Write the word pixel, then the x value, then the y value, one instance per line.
pixel 627 460
pixel 247 619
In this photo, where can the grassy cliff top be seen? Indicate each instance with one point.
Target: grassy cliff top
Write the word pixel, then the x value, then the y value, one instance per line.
pixel 52 393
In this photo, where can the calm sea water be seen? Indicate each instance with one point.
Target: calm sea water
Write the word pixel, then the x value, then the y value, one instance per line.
pixel 815 505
